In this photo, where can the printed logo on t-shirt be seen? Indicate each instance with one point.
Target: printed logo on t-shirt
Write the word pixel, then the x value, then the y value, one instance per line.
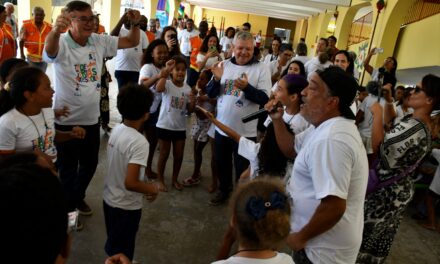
pixel 178 103
pixel 87 72
pixel 230 89
pixel 45 143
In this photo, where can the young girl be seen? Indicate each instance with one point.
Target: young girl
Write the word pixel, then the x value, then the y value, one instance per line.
pixel 27 119
pixel 288 93
pixel 261 221
pixel 154 60
pixel 200 129
pixel 177 99
pixel 294 67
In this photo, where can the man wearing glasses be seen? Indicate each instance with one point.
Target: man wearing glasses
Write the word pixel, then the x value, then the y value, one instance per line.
pixel 77 57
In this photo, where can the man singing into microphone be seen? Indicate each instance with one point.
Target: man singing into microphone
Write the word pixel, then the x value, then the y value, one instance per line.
pixel 241 85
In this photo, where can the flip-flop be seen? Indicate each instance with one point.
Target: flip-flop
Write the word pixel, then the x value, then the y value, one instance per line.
pixel 191 181
pixel 177 186
pixel 162 187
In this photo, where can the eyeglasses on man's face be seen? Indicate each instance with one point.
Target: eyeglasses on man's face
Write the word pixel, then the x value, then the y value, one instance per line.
pixel 85 19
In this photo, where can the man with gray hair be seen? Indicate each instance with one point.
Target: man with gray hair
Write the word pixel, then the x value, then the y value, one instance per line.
pixel 32 36
pixel 10 19
pixel 241 84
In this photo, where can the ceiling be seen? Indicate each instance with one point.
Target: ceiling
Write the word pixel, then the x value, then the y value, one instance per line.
pixel 283 9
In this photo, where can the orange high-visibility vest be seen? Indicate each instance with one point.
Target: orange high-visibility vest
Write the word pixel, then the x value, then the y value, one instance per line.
pixel 101 29
pixel 34 39
pixel 7 43
pixel 196 43
pixel 150 36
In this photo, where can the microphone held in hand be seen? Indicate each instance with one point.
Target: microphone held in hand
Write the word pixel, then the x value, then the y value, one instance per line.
pixel 259 113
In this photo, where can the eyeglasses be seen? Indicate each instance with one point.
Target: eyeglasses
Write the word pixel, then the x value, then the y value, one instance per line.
pixel 85 20
pixel 418 89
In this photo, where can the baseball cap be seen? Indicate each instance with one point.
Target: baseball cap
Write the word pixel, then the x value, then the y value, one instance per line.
pixel 342 85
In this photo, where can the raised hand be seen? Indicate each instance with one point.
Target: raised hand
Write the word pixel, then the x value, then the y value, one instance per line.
pixel 217 70
pixel 62 22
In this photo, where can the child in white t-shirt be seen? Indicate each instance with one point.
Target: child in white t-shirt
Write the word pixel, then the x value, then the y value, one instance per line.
pixel 260 220
pixel 200 128
pixel 27 119
pixel 124 185
pixel 177 100
pixel 153 61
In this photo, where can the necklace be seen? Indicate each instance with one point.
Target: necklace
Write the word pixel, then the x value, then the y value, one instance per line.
pixel 40 140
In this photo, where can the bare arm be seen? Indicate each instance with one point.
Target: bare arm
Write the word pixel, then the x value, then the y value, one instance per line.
pixel 52 44
pixel 389 111
pixel 285 140
pixel 132 182
pixel 326 216
pixel 133 36
pixel 377 131
pixel 117 28
pixel 229 131
pixel 21 42
pixel 367 65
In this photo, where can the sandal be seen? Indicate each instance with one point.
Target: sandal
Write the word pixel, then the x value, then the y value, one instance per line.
pixel 191 181
pixel 177 186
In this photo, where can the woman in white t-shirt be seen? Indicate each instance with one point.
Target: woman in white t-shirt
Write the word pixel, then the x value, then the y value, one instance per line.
pixel 260 220
pixel 278 66
pixel 209 53
pixel 177 100
pixel 226 42
pixel 153 61
pixel 27 119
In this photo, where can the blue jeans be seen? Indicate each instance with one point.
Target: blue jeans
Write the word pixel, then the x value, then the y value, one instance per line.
pixel 225 149
pixel 77 161
pixel 124 77
pixel 122 226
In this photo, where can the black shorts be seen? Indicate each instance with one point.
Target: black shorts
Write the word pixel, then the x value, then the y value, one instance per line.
pixel 170 135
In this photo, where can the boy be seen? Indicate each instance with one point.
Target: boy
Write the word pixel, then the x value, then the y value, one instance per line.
pixel 124 188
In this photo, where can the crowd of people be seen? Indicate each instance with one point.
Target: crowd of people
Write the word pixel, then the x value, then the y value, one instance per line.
pixel 326 166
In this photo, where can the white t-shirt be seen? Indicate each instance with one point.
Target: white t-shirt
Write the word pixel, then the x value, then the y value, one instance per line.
pixel 303 59
pixel 269 58
pixel 313 65
pixel 130 59
pixel 185 44
pixel 77 76
pixel 173 108
pixel 147 71
pixel 331 160
pixel 209 63
pixel 280 258
pixel 366 125
pixel 17 132
pixel 249 150
pixel 226 43
pixel 273 67
pixel 125 146
pixel 232 104
pixel 297 123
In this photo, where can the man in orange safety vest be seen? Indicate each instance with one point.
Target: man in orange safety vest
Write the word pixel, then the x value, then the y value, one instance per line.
pixel 32 36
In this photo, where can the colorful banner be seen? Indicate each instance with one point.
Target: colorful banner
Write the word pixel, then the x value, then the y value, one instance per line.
pixel 163 12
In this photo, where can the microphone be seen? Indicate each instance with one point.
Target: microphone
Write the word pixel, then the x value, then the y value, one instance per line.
pixel 259 113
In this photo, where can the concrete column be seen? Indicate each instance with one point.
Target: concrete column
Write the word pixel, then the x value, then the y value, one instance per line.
pixel 110 14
